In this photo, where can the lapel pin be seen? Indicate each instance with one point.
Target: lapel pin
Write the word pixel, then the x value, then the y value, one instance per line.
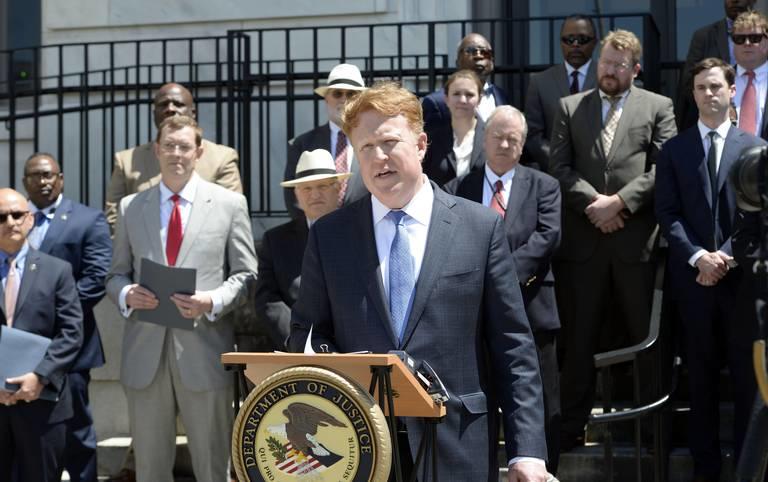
pixel 33 267
pixel 63 217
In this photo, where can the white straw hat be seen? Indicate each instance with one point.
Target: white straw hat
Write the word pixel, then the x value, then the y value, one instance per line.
pixel 314 166
pixel 343 77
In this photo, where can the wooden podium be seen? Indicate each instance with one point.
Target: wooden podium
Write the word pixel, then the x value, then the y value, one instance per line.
pixel 397 390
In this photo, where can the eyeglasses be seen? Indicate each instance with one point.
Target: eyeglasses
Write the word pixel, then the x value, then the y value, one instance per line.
pixel 741 38
pixel 617 66
pixel 171 147
pixel 573 39
pixel 42 176
pixel 15 215
pixel 339 93
pixel 483 52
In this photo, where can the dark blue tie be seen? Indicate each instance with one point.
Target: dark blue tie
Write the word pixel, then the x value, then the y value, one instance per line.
pixel 401 274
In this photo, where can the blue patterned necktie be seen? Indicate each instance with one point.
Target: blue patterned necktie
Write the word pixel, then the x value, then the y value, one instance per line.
pixel 401 274
pixel 35 237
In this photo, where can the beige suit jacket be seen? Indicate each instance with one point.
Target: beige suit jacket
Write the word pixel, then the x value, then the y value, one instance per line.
pixel 584 169
pixel 137 169
pixel 218 244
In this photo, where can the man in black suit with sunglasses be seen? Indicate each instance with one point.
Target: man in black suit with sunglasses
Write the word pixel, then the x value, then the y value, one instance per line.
pixel 576 74
pixel 474 53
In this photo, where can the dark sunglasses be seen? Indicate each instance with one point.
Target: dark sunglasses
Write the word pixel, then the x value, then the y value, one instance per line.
pixel 481 51
pixel 349 94
pixel 572 39
pixel 741 38
pixel 16 215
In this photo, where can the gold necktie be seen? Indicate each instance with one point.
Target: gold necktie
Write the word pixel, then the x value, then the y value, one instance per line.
pixel 611 122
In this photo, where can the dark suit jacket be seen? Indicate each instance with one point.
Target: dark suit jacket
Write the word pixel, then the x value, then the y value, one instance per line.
pixel 578 160
pixel 532 225
pixel 280 253
pixel 467 319
pixel 317 138
pixel 440 161
pixel 684 201
pixel 708 41
pixel 48 305
pixel 436 113
pixel 80 235
pixel 545 89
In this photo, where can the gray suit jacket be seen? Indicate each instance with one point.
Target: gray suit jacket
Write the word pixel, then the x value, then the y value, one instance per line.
pixel 545 90
pixel 218 243
pixel 137 169
pixel 467 320
pixel 317 138
pixel 579 162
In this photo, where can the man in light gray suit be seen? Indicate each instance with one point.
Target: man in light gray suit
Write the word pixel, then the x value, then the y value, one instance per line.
pixel 604 147
pixel 576 74
pixel 187 222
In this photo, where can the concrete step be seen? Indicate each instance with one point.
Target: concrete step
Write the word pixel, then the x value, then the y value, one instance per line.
pixel 113 454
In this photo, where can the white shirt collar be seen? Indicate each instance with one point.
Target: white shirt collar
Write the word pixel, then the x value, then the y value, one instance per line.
pixel 722 129
pixel 759 71
pixel 419 207
pixel 623 95
pixel 49 210
pixel 493 177
pixel 187 193
pixel 334 129
pixel 582 70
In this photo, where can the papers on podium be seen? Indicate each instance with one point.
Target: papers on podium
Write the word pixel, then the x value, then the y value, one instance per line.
pixel 20 353
pixel 164 281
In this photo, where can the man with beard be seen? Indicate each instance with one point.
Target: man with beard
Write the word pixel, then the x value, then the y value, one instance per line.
pixel 474 53
pixel 137 169
pixel 713 40
pixel 603 151
pixel 574 75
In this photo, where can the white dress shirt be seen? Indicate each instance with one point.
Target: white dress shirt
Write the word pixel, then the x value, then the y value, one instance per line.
pixel 761 88
pixel 463 152
pixel 487 102
pixel 489 186
pixel 187 197
pixel 722 132
pixel 37 234
pixel 419 211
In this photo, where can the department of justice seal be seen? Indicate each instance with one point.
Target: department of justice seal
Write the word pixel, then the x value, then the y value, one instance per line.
pixel 310 424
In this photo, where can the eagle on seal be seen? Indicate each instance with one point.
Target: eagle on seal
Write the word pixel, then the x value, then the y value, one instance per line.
pixel 301 429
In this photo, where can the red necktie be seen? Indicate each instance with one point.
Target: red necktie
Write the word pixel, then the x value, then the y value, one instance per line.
pixel 748 113
pixel 173 243
pixel 497 200
pixel 575 82
pixel 341 163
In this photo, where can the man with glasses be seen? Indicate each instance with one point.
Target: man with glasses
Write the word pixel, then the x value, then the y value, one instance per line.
pixel 79 235
pixel 603 150
pixel 751 51
pixel 344 83
pixel 185 222
pixel 713 40
pixel 281 250
pixel 38 296
pixel 474 53
pixel 136 169
pixel 574 75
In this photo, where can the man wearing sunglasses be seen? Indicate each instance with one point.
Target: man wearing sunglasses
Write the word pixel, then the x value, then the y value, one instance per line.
pixel 751 51
pixel 137 169
pixel 79 235
pixel 38 296
pixel 575 74
pixel 344 83
pixel 474 53
pixel 713 40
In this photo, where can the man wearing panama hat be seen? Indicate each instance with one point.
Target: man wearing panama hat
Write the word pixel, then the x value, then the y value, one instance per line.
pixel 317 186
pixel 343 83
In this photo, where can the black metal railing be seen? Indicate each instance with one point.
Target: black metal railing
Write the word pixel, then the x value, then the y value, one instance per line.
pixel 253 88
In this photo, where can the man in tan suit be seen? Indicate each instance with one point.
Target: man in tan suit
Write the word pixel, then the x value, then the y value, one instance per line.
pixel 136 169
pixel 603 150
